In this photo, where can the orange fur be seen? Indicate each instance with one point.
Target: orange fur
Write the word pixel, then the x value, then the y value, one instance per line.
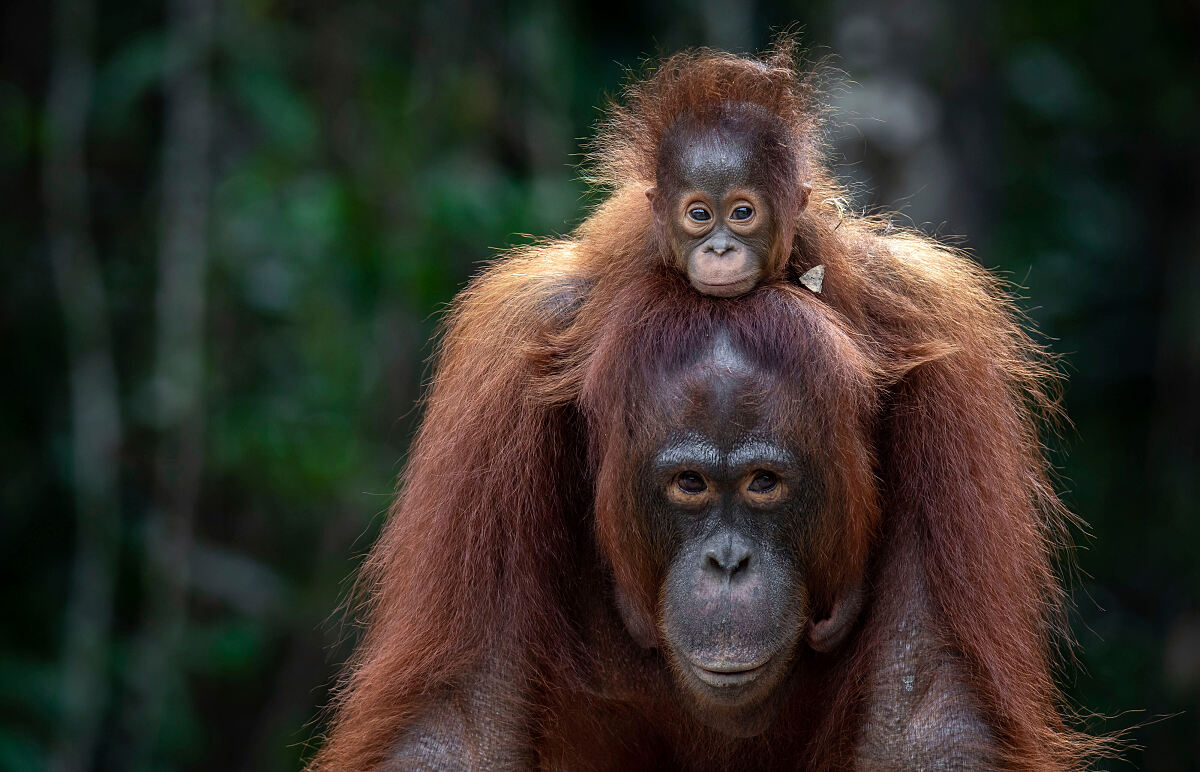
pixel 526 425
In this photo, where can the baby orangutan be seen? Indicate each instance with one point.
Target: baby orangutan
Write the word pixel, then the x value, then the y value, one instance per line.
pixel 727 192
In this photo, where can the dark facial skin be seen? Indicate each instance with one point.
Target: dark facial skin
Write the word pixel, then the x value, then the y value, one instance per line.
pixel 716 217
pixel 734 604
pixel 732 503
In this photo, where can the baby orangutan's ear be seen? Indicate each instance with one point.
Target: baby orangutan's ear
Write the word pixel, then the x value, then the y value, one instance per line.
pixel 652 196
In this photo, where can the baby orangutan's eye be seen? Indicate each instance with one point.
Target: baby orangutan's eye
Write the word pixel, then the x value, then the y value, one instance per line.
pixel 741 214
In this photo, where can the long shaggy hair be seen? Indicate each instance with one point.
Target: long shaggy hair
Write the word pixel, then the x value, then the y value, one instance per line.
pixel 531 415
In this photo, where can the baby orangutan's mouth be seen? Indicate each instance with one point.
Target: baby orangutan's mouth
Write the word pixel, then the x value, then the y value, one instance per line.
pixel 736 286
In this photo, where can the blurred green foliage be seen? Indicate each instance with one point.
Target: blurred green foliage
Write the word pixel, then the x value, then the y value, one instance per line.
pixel 366 157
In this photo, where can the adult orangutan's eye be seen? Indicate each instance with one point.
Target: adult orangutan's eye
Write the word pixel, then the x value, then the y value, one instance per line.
pixel 691 482
pixel 763 482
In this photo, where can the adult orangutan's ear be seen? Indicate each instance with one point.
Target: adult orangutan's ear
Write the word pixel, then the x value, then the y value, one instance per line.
pixel 651 192
pixel 805 190
pixel 639 624
pixel 824 635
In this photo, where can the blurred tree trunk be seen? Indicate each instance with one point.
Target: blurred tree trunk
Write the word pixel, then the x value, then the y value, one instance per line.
pixel 179 377
pixel 95 413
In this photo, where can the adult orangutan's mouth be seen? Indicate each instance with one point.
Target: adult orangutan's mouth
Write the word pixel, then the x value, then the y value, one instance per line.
pixel 726 676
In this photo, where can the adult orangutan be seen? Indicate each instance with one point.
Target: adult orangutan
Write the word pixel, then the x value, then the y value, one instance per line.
pixel 680 500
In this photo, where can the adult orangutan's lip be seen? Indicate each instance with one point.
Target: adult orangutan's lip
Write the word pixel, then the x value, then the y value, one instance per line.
pixel 729 675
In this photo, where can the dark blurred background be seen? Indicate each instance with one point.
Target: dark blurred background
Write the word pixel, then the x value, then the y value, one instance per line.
pixel 229 227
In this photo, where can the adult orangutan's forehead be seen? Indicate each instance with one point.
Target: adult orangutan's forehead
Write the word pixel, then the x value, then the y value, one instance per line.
pixel 720 386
